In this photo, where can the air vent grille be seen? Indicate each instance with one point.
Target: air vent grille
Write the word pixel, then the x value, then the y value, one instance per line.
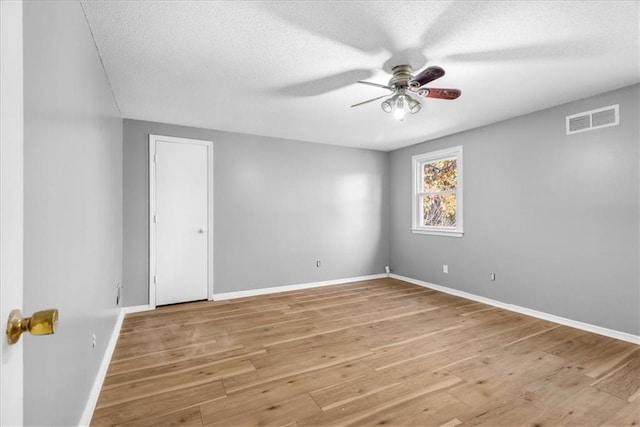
pixel 580 123
pixel 594 119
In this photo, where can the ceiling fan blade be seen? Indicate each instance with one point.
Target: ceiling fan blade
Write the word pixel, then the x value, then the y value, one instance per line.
pixel 440 93
pixel 425 76
pixel 368 101
pixel 374 84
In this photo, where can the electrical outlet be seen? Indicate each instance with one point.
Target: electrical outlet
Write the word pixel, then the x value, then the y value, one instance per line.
pixel 387 269
pixel 317 263
pixel 445 269
pixel 93 340
pixel 492 276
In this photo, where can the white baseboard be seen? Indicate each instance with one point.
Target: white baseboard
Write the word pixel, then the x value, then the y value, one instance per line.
pixel 136 308
pixel 277 289
pixel 624 336
pixel 102 372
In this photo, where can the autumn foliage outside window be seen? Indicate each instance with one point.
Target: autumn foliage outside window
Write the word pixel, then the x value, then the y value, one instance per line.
pixel 437 200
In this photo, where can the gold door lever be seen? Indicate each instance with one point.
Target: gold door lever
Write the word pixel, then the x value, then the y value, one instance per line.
pixel 41 323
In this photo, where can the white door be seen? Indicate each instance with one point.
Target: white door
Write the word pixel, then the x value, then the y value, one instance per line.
pixel 181 186
pixel 11 206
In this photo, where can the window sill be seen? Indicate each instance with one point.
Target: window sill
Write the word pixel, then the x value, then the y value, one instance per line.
pixel 438 232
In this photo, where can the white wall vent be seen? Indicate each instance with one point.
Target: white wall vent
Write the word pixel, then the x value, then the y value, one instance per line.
pixel 594 119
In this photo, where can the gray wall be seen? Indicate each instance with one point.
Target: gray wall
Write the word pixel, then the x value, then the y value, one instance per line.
pixel 279 205
pixel 73 209
pixel 554 216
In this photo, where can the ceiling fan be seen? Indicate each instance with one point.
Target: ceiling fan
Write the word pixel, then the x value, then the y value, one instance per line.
pixel 403 82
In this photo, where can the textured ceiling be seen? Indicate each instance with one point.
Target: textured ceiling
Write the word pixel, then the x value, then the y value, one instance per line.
pixel 288 69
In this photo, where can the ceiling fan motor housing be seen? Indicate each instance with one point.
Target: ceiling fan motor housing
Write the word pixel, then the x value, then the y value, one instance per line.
pixel 402 74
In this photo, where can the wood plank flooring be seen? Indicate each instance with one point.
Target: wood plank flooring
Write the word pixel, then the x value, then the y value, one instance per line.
pixel 379 352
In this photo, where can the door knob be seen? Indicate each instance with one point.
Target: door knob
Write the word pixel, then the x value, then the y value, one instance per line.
pixel 202 231
pixel 41 323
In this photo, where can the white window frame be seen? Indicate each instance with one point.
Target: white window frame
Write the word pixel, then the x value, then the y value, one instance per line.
pixel 417 163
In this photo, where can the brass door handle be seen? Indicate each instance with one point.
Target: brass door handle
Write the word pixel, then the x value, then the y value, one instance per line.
pixel 41 323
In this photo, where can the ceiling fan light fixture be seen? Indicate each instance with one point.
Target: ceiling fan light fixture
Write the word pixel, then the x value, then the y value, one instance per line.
pixel 387 105
pixel 399 111
pixel 414 105
pixel 399 104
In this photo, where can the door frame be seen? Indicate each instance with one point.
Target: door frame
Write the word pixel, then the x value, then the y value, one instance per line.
pixel 152 210
pixel 11 206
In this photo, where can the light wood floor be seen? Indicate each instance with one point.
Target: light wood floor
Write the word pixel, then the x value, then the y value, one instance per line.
pixel 380 352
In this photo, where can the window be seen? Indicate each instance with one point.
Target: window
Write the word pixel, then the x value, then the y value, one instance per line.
pixel 437 192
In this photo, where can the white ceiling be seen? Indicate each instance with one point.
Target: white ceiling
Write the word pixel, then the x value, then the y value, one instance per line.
pixel 288 69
